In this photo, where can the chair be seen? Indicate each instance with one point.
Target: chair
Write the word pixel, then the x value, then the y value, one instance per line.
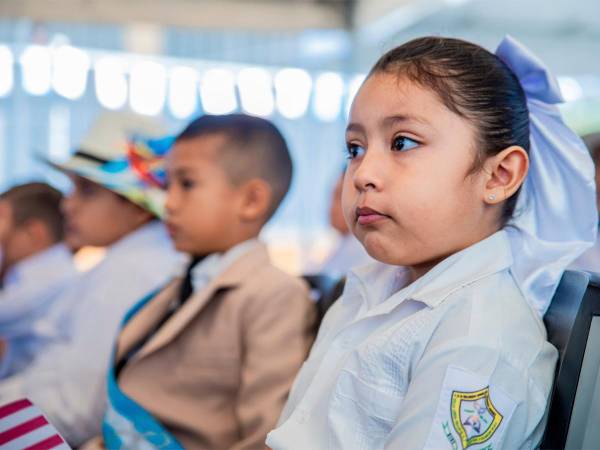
pixel 325 290
pixel 573 324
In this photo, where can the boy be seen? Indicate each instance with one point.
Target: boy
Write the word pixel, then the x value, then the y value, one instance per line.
pixel 35 267
pixel 109 207
pixel 207 362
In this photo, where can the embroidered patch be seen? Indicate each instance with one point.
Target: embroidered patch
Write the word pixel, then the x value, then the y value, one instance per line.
pixel 471 413
pixel 474 416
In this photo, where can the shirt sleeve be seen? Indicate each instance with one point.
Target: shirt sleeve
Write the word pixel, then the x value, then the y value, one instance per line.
pixel 21 302
pixel 468 396
pixel 277 337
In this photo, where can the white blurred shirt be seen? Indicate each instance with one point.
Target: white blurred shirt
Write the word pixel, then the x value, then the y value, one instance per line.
pixel 30 290
pixel 414 367
pixel 347 254
pixel 67 381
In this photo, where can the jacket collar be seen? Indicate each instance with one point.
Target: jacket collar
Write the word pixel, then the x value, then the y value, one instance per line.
pixel 253 255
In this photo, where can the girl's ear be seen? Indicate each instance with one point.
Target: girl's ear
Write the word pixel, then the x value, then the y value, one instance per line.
pixel 506 172
pixel 256 200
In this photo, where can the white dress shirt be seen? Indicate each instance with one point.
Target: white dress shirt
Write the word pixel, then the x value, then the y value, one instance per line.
pixel 216 263
pixel 30 290
pixel 68 380
pixel 457 355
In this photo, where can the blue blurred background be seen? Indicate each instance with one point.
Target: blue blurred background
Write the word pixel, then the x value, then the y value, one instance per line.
pixel 297 62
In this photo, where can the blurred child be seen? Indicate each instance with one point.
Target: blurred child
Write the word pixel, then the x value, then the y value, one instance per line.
pixel 443 346
pixel 36 266
pixel 207 362
pixel 114 205
pixel 348 251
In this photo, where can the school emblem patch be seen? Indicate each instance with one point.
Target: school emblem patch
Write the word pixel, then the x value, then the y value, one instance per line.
pixel 474 417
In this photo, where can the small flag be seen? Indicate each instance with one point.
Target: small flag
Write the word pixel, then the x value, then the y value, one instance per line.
pixel 24 427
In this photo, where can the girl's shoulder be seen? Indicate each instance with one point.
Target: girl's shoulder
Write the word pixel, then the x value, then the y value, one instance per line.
pixel 493 314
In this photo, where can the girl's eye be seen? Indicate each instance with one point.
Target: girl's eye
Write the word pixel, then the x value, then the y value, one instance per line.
pixel 402 144
pixel 354 151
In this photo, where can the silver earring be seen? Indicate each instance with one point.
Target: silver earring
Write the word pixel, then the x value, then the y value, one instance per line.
pixel 491 197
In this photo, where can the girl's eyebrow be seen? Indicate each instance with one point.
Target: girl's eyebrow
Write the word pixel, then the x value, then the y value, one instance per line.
pixel 355 127
pixel 403 118
pixel 388 122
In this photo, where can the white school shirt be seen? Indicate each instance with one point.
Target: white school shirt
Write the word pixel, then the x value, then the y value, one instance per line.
pixel 456 359
pixel 590 260
pixel 30 290
pixel 67 382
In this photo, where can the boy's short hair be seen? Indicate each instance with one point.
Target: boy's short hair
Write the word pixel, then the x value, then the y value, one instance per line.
pixel 254 148
pixel 37 201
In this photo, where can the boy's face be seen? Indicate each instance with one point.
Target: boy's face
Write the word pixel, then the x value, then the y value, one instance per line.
pixel 6 221
pixel 202 203
pixel 96 216
pixel 408 196
pixel 14 240
pixel 336 213
pixel 20 240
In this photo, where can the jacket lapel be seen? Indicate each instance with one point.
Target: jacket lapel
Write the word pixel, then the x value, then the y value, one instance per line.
pixel 146 318
pixel 231 277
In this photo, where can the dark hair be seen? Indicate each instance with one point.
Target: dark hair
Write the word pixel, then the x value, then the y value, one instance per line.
pixel 592 142
pixel 473 83
pixel 36 201
pixel 254 148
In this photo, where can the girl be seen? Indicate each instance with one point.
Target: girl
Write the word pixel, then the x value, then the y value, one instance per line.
pixel 442 345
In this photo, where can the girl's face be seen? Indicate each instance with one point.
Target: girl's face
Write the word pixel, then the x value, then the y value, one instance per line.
pixel 409 195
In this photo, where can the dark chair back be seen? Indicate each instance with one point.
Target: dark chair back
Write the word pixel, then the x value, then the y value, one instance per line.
pixel 572 319
pixel 325 290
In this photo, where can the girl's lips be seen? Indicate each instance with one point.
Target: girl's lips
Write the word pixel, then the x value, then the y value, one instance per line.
pixel 369 219
pixel 368 216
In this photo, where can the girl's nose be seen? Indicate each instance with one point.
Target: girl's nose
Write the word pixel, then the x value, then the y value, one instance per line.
pixel 370 172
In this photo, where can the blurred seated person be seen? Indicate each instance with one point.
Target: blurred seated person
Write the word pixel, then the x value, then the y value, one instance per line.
pixel 590 260
pixel 36 266
pixel 113 204
pixel 207 362
pixel 348 251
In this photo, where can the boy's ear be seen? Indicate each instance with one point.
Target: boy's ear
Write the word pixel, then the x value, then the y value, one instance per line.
pixel 506 172
pixel 256 199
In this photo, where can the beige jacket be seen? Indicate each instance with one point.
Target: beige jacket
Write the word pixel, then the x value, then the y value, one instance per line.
pixel 218 372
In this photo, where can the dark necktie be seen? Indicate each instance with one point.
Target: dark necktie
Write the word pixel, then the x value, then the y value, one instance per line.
pixel 186 291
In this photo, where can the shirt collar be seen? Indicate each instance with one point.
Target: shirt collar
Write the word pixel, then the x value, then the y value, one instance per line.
pixel 215 264
pixel 384 286
pixel 56 259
